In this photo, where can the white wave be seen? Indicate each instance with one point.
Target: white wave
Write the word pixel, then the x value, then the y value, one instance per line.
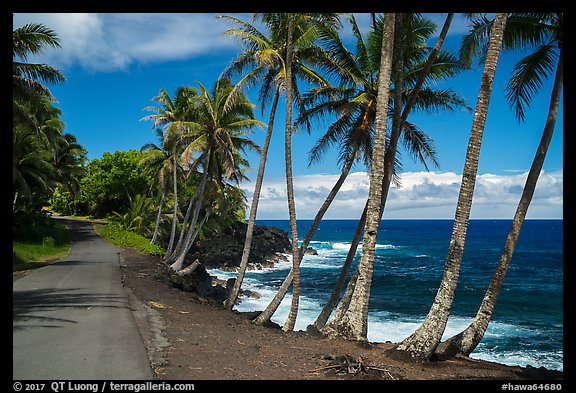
pixel 342 246
pixel 523 358
pixel 318 243
pixel 307 311
pixel 346 246
pixel 386 247
pixel 384 327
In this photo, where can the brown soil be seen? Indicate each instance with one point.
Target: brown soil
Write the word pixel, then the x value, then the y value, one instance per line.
pixel 192 339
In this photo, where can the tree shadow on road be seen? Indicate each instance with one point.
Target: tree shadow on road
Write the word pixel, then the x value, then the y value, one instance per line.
pixel 32 308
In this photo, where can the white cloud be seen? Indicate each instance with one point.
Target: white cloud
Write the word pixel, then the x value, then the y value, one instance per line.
pixel 110 42
pixel 422 195
pixel 113 41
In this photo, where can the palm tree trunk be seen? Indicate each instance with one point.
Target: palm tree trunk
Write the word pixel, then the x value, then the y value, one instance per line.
pixel 397 127
pixel 353 324
pixel 322 318
pixel 327 202
pixel 466 341
pixel 233 296
pixel 153 240
pixel 184 230
pixel 175 214
pixel 291 320
pixel 423 342
pixel 190 237
pixel 265 316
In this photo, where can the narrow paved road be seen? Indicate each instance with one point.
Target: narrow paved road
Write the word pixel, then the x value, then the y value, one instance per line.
pixel 72 320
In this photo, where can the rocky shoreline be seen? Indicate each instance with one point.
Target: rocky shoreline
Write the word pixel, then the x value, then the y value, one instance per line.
pixel 223 250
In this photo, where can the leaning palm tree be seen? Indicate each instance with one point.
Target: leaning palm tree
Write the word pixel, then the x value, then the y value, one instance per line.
pixel 424 341
pixel 265 57
pixel 544 33
pixel 219 133
pixel 28 79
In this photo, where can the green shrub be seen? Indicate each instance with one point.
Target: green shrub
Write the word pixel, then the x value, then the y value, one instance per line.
pixel 114 233
pixel 62 202
pixel 45 241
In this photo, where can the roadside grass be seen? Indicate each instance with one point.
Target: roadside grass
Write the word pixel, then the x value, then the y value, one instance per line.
pixel 114 233
pixel 39 246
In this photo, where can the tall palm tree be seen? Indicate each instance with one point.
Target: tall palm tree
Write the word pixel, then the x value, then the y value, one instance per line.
pixel 265 55
pixel 291 320
pixel 544 33
pixel 28 79
pixel 305 31
pixel 423 342
pixel 353 325
pixel 176 115
pixel 413 38
pixel 159 162
pixel 223 118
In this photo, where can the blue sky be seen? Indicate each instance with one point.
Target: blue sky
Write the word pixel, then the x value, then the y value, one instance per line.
pixel 115 63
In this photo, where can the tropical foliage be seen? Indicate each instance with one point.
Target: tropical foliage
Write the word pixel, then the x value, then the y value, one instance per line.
pixel 44 158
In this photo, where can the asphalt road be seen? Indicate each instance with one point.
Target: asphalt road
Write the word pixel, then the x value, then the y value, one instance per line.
pixel 72 319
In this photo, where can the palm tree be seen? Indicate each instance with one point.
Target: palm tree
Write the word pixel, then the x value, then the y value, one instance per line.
pixel 301 31
pixel 159 161
pixel 223 117
pixel 291 320
pixel 31 168
pixel 423 342
pixel 265 55
pixel 176 115
pixel 28 78
pixel 353 324
pixel 544 32
pixel 68 160
pixel 360 99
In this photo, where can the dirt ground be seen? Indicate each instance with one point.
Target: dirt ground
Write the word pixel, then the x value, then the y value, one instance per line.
pixel 190 339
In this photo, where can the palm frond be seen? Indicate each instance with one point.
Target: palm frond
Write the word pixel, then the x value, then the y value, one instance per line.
pixel 31 39
pixel 527 78
pixel 419 145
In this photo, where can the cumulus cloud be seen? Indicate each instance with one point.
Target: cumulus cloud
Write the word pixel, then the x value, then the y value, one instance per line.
pixel 104 42
pixel 111 42
pixel 422 195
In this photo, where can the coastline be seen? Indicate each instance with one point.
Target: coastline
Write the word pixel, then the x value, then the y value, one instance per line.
pixel 191 338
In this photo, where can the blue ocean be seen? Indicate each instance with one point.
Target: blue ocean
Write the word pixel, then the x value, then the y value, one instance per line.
pixel 527 324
